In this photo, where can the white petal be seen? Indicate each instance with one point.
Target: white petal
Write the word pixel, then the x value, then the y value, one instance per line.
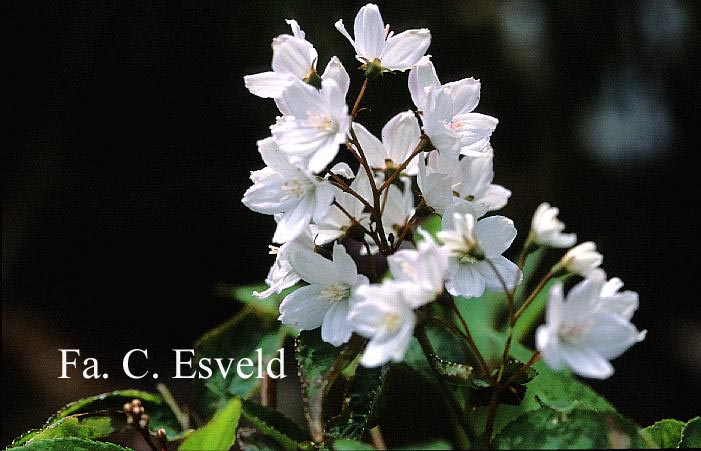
pixel 496 197
pixel 372 147
pixel 294 221
pixel 611 335
pixel 344 265
pixel 583 298
pixel 342 169
pixel 422 77
pixel 549 347
pixel 508 271
pixel 465 281
pixel 296 30
pixel 554 313
pixel 336 72
pixel 405 49
pixel 336 329
pixel 586 362
pixel 400 136
pixel 313 268
pixel 294 56
pixel 302 99
pixel 369 31
pixel 303 308
pixel 267 84
pixel 465 94
pixel 495 234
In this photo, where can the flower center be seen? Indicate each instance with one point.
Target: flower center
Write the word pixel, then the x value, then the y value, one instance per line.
pixel 322 121
pixel 466 258
pixel 335 292
pixel 572 333
pixel 392 322
pixel 296 187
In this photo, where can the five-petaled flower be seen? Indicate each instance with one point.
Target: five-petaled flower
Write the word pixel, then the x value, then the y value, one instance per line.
pixel 375 44
pixel 586 329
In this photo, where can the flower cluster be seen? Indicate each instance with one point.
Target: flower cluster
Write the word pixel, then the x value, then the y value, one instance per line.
pixel 436 159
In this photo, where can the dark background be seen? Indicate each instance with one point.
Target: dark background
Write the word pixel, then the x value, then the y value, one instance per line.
pixel 131 139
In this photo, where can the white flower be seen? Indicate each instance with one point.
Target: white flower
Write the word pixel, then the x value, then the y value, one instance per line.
pixel 444 182
pixel 336 223
pixel 476 250
pixel 546 228
pixel 580 333
pixel 316 122
pixel 281 274
pixel 294 58
pixel 324 302
pixel 383 315
pixel 423 269
pixel 282 187
pixel 448 116
pixel 399 139
pixel 373 41
pixel 581 259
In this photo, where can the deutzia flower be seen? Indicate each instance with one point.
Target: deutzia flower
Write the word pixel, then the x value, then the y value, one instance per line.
pixel 399 138
pixel 581 259
pixel 324 302
pixel 444 183
pixel 336 223
pixel 315 123
pixel 383 315
pixel 546 228
pixel 281 274
pixel 580 333
pixel 294 58
pixel 375 44
pixel 447 111
pixel 424 269
pixel 476 250
pixel 282 187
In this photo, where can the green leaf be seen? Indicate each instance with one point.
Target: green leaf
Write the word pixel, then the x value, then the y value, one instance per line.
pixel 434 445
pixel 360 403
pixel 161 415
pixel 274 424
pixel 691 434
pixel 219 433
pixel 72 444
pixel 85 425
pixel 548 428
pixel 432 224
pixel 351 445
pixel 319 365
pixel 239 337
pixel 665 433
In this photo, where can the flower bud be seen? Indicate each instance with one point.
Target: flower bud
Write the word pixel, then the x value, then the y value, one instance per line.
pixel 581 259
pixel 546 228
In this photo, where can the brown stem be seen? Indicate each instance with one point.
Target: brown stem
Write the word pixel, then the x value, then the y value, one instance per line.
pixel 407 227
pixel 268 392
pixel 377 204
pixel 361 94
pixel 398 170
pixel 377 440
pixel 532 296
